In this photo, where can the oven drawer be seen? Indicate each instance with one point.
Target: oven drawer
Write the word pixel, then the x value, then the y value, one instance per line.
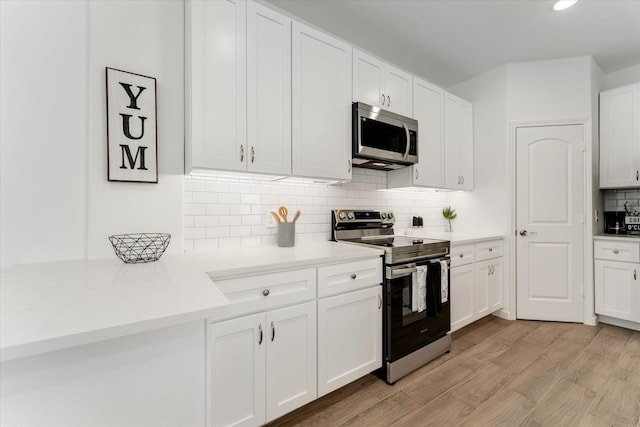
pixel 488 250
pixel 463 254
pixel 266 291
pixel 615 250
pixel 349 276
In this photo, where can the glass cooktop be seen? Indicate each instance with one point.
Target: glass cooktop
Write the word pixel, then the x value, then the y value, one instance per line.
pixel 395 241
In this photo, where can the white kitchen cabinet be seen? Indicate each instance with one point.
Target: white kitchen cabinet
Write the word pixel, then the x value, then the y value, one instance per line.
pixel 321 105
pixel 617 285
pixel 238 94
pixel 262 366
pixel 349 337
pixel 381 85
pixel 215 94
pixel 428 110
pixel 477 282
pixel 620 137
pixel 463 300
pixel 458 134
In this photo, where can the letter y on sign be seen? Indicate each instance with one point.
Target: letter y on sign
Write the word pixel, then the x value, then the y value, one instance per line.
pixel 132 149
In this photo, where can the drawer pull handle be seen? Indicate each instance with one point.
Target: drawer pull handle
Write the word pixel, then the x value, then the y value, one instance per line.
pixel 615 251
pixel 634 275
pixel 461 255
pixel 490 249
pixel 260 330
pixel 353 276
pixel 273 331
pixel 265 292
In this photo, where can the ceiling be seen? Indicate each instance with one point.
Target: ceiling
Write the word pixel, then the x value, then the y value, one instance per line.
pixel 450 41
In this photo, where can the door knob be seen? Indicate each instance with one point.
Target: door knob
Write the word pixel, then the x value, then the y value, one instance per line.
pixel 523 232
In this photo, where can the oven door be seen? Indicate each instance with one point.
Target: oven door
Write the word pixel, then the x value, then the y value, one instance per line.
pixel 407 329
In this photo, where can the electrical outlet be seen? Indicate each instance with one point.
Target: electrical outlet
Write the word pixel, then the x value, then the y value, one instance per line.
pixel 269 220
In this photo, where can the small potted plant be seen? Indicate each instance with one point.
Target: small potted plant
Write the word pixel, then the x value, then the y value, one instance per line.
pixel 449 214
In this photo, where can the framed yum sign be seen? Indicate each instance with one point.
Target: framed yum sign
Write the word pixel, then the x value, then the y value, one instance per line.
pixel 132 145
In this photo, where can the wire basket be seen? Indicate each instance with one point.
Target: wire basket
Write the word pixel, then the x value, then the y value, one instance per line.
pixel 140 247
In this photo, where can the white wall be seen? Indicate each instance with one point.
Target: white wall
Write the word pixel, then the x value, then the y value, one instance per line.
pixel 43 131
pixel 623 77
pixel 56 202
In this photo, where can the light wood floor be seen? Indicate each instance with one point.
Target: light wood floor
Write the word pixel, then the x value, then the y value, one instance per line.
pixel 501 373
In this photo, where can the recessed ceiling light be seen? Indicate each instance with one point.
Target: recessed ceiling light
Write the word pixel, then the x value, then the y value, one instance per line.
pixel 564 4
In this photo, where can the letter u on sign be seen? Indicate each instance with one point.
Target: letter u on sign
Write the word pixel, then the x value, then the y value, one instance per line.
pixel 132 148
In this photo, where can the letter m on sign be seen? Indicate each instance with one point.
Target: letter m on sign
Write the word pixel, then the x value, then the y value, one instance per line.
pixel 132 149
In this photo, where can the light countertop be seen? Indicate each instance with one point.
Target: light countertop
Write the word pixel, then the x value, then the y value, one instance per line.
pixel 456 238
pixel 51 306
pixel 620 237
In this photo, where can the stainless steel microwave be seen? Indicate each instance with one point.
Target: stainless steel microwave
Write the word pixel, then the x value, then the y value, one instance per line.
pixel 382 139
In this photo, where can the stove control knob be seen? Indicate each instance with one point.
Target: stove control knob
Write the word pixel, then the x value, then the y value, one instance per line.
pixel 342 215
pixel 350 215
pixel 383 215
pixel 390 215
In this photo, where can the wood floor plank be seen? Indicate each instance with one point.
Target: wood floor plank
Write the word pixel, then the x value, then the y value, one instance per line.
pixel 564 405
pixel 501 373
pixel 386 412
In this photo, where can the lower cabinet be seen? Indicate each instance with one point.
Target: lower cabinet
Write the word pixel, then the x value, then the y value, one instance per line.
pixel 477 282
pixel 262 365
pixel 617 280
pixel 349 337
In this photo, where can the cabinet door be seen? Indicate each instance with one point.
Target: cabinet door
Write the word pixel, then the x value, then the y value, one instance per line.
pixel 428 109
pixel 399 91
pixel 349 337
pixel 236 366
pixel 620 137
pixel 216 85
pixel 291 358
pixel 268 91
pixel 458 135
pixel 489 282
pixel 368 79
pixel 617 289
pixel 496 285
pixel 463 306
pixel 321 91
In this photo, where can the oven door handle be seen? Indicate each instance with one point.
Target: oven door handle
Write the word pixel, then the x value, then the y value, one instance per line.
pixel 394 273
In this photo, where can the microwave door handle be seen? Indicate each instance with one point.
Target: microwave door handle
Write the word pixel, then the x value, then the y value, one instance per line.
pixel 406 131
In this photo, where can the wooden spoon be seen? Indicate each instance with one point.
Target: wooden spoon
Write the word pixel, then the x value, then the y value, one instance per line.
pixel 283 213
pixel 297 215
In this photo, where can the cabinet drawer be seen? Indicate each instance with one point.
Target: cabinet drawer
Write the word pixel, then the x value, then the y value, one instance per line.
pixel 488 250
pixel 267 291
pixel 461 255
pixel 349 276
pixel 616 250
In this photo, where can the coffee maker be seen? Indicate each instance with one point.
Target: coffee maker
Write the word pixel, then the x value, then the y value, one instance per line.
pixel 614 222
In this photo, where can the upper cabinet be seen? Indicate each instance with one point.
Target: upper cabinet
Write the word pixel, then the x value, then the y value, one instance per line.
pixel 428 110
pixel 381 85
pixel 620 137
pixel 321 101
pixel 458 153
pixel 238 95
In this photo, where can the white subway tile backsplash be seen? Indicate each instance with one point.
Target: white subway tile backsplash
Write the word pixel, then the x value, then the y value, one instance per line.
pixel 232 214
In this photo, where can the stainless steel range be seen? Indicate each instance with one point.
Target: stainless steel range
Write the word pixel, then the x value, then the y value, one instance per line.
pixel 416 319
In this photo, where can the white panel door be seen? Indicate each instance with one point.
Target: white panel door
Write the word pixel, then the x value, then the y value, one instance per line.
pixel 268 91
pixel 550 248
pixel 321 103
pixel 463 296
pixel 218 84
pixel 291 358
pixel 349 337
pixel 236 363
pixel 617 289
pixel 620 137
pixel 428 109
